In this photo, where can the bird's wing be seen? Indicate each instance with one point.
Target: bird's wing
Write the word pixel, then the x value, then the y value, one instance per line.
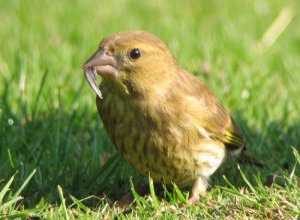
pixel 211 115
pixel 226 130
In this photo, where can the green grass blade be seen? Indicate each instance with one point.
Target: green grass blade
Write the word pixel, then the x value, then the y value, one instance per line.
pixel 232 187
pixel 11 162
pixel 247 181
pixel 135 194
pixel 25 183
pixel 152 192
pixel 104 171
pixel 140 201
pixel 297 156
pixel 10 202
pixel 63 202
pixel 79 203
pixel 6 188
pixel 38 94
pixel 178 194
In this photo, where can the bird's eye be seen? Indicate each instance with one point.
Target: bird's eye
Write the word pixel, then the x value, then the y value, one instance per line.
pixel 135 53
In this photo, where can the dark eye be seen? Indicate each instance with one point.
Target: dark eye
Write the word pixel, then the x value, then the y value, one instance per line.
pixel 135 53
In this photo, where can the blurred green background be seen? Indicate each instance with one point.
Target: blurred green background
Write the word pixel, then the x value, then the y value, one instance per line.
pixel 48 116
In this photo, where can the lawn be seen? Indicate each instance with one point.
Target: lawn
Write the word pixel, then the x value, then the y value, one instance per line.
pixel 56 160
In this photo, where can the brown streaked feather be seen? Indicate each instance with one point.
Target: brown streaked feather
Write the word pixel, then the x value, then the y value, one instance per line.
pixel 175 111
pixel 163 120
pixel 170 84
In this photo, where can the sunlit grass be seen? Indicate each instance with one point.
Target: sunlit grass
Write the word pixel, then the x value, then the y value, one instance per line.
pixel 51 134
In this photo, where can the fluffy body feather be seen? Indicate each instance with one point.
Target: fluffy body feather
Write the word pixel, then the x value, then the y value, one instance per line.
pixel 162 119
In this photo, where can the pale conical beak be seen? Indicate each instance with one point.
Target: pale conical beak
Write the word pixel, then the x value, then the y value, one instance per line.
pixel 100 63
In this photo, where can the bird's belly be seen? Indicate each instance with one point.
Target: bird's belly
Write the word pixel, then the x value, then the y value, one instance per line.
pixel 169 164
pixel 150 150
pixel 161 164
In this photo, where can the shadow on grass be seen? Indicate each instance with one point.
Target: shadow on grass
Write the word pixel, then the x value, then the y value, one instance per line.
pixel 273 146
pixel 70 148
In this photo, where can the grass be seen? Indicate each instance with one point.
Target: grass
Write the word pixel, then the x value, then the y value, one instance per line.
pixel 56 160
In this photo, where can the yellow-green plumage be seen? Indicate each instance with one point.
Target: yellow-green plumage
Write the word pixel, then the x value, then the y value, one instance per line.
pixel 162 119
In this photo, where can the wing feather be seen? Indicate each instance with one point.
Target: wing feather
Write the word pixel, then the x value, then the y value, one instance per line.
pixel 210 114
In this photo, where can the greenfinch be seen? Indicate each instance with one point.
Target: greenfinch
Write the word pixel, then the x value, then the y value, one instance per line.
pixel 163 120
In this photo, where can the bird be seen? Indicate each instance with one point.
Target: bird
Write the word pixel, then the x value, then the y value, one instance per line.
pixel 163 120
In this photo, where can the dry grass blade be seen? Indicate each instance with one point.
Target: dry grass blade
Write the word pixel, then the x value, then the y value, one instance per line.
pixel 277 27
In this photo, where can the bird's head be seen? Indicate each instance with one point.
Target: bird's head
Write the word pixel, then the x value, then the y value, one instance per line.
pixel 136 62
